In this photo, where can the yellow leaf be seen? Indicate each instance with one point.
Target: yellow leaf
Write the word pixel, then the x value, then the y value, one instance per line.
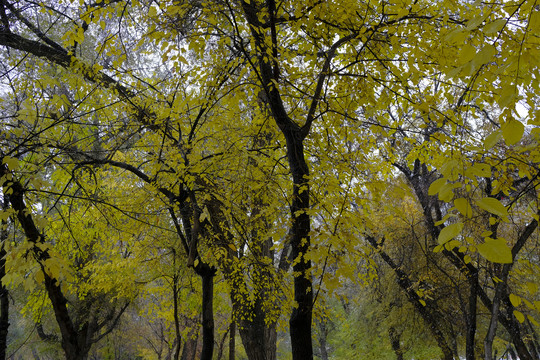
pixel 496 250
pixel 463 207
pixel 39 277
pixel 435 186
pixel 519 316
pixel 446 192
pixel 484 56
pixel 12 163
pixel 532 287
pixel 492 206
pixel 512 131
pixel 494 26
pixel 474 23
pixel 492 139
pixel 450 245
pixel 515 300
pixel 449 232
pixel 450 170
pixel 481 170
pixel 467 53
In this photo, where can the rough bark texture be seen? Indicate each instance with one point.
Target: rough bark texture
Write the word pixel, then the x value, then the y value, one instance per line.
pixel 176 317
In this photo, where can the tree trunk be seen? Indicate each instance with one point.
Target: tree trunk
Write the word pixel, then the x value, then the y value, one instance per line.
pixel 323 333
pixel 301 316
pixel 232 340
pixel 207 275
pixel 4 296
pixel 189 352
pixel 300 321
pixel 258 338
pixel 395 341
pixel 175 314
pixel 471 317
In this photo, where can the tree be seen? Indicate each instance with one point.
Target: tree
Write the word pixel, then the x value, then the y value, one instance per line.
pixel 345 84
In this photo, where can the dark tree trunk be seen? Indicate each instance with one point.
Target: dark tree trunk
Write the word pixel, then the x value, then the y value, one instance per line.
pixel 176 317
pixel 471 317
pixel 395 341
pixel 258 338
pixel 300 321
pixel 4 296
pixel 232 340
pixel 207 276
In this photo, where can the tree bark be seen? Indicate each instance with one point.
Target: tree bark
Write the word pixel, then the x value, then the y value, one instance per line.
pixel 189 352
pixel 395 343
pixel 207 276
pixel 232 340
pixel 471 317
pixel 301 316
pixel 323 333
pixel 4 294
pixel 258 338
pixel 175 313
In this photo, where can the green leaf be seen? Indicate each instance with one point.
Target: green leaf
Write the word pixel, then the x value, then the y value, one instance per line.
pixel 496 251
pixel 449 232
pixel 512 131
pixel 463 207
pixel 492 206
